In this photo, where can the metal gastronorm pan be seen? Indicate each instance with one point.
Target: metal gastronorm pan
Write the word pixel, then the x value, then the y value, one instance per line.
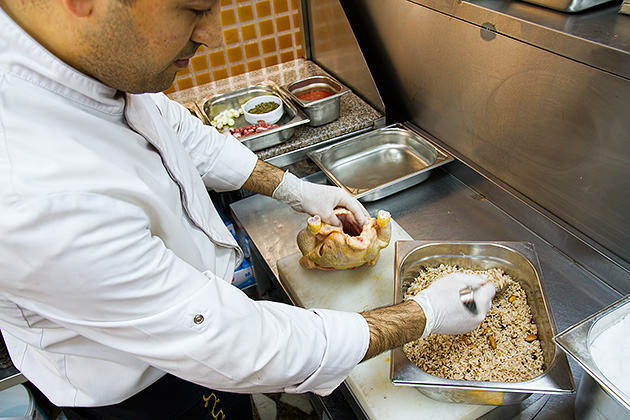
pixel 520 261
pixel 292 118
pixel 570 6
pixel 379 163
pixel 320 111
pixel 577 339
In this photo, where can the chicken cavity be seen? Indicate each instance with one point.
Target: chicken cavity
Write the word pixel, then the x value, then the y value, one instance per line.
pixel 328 247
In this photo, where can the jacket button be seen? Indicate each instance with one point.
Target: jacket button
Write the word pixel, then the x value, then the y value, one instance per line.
pixel 198 319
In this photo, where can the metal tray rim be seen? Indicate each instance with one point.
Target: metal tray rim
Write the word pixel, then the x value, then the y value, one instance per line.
pixel 545 383
pixel 316 155
pixel 574 341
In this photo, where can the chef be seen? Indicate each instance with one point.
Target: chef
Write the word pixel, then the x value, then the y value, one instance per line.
pixel 115 294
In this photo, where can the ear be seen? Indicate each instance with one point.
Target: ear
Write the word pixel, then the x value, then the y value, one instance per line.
pixel 79 8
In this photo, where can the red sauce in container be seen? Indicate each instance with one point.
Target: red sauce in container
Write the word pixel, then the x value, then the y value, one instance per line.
pixel 314 95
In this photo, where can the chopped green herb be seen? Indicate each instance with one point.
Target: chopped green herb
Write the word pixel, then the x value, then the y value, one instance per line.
pixel 264 107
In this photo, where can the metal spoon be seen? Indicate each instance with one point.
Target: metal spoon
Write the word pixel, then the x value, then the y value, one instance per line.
pixel 467 296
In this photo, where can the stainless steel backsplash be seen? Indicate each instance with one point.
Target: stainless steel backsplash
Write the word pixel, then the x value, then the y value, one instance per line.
pixel 549 124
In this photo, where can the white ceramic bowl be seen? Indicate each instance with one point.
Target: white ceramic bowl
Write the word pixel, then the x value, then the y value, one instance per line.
pixel 268 117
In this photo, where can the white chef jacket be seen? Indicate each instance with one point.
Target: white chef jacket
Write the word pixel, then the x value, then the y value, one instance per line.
pixel 114 265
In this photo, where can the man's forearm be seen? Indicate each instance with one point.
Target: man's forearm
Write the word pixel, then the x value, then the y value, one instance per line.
pixel 393 326
pixel 264 178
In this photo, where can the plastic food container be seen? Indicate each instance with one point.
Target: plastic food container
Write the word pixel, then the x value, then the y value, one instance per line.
pixel 270 117
pixel 517 259
pixel 17 403
pixel 323 110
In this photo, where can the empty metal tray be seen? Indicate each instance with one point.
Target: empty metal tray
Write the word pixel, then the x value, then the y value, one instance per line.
pixel 292 118
pixel 379 163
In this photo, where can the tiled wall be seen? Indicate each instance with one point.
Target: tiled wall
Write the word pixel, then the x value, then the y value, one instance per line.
pixel 256 34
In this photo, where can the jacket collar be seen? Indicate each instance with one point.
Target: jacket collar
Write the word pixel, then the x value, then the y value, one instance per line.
pixel 23 57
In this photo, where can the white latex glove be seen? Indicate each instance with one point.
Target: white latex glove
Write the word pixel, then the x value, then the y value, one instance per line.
pixel 444 311
pixel 318 199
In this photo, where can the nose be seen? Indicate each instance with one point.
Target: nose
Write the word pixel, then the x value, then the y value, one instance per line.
pixel 208 30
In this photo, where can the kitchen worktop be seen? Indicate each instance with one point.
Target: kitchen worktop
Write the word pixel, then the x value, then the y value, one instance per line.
pixel 355 114
pixel 443 207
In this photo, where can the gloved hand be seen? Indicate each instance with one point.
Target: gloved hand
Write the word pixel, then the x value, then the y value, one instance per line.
pixel 443 309
pixel 317 199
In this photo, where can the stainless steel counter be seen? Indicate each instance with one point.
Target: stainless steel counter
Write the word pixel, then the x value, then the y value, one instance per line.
pixel 445 208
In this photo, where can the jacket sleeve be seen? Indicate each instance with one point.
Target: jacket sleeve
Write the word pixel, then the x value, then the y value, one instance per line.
pixel 105 277
pixel 223 162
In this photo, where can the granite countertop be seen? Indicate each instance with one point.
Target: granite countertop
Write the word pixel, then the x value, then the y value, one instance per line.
pixel 355 114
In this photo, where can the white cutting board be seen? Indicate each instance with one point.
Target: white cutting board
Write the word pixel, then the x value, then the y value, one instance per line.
pixel 362 288
pixel 357 290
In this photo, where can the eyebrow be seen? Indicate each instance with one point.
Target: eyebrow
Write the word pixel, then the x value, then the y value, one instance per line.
pixel 207 4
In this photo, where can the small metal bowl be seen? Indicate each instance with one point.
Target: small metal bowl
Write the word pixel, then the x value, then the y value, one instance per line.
pixel 320 111
pixel 517 259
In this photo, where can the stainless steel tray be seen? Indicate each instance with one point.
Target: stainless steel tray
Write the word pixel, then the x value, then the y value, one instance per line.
pixel 570 6
pixel 379 163
pixel 577 339
pixel 292 118
pixel 320 111
pixel 520 261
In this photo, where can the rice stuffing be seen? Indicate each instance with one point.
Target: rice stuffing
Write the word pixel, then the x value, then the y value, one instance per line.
pixel 505 347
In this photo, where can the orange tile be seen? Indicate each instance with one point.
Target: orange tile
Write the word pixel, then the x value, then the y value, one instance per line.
pixel 202 79
pixel 294 5
pixel 243 1
pixel 217 59
pixel 263 8
pixel 268 45
pixel 231 36
pixel 237 69
pixel 226 2
pixel 280 6
pixel 297 23
pixel 271 60
pixel 170 90
pixel 183 72
pixel 185 83
pixel 285 41
pixel 234 54
pixel 248 32
pixel 287 56
pixel 298 38
pixel 266 27
pixel 254 65
pixel 227 17
pixel 220 74
pixel 299 52
pixel 251 50
pixel 245 13
pixel 283 23
pixel 199 63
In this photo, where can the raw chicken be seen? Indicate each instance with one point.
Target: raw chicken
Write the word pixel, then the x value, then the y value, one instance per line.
pixel 328 247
